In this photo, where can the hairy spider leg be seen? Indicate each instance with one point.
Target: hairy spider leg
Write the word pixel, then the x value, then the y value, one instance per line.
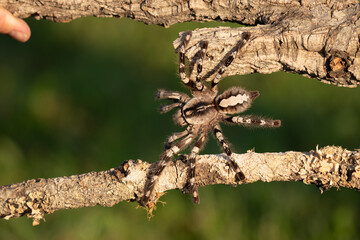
pixel 172 95
pixel 239 175
pixel 165 157
pixel 253 121
pixel 167 108
pixel 193 189
pixel 196 85
pixel 176 136
pixel 182 71
pixel 178 98
pixel 199 65
pixel 225 64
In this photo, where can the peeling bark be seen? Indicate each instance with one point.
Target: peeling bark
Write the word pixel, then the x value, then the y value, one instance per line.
pixel 168 12
pixel 326 168
pixel 317 42
pixel 318 39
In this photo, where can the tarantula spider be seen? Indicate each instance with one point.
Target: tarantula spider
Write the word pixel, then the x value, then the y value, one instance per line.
pixel 201 114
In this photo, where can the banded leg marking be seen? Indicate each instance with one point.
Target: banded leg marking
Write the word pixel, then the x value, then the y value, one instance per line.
pixel 182 71
pixel 165 157
pixel 199 65
pixel 171 95
pixel 229 60
pixel 175 137
pixel 239 175
pixel 192 170
pixel 166 108
pixel 254 121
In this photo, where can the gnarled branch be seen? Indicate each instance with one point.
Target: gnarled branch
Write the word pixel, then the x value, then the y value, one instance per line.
pixel 318 39
pixel 327 167
pixel 315 41
pixel 168 12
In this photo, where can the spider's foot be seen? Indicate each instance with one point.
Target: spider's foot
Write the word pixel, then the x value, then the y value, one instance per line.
pixel 276 123
pixel 144 201
pixel 149 204
pixel 195 195
pixel 240 176
pixel 193 191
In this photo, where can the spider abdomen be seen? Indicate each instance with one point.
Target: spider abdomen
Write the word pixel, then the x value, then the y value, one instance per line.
pixel 235 100
pixel 199 111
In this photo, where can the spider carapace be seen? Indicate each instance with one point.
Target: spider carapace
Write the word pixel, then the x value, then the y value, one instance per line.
pixel 202 113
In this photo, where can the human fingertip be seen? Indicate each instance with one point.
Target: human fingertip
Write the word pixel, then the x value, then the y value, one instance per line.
pixel 13 26
pixel 19 36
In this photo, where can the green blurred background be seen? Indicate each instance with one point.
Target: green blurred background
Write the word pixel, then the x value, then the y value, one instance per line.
pixel 79 97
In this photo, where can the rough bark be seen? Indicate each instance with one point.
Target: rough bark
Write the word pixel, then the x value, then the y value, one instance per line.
pixel 318 39
pixel 315 39
pixel 326 168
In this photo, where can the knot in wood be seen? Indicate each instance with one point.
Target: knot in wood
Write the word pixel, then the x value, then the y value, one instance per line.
pixel 337 64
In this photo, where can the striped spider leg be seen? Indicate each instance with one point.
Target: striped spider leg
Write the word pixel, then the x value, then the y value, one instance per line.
pixel 201 113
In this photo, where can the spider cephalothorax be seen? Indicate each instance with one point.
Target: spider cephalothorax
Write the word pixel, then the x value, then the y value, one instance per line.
pixel 202 113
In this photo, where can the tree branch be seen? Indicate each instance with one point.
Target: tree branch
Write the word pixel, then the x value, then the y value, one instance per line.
pixel 308 42
pixel 318 39
pixel 166 12
pixel 326 168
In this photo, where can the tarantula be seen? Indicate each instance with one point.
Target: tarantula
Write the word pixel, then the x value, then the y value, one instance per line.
pixel 201 114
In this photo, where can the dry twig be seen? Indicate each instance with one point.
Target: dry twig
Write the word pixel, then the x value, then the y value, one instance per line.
pixel 318 39
pixel 327 167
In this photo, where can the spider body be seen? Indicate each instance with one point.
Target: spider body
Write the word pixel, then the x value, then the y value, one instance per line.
pixel 209 108
pixel 198 111
pixel 202 113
